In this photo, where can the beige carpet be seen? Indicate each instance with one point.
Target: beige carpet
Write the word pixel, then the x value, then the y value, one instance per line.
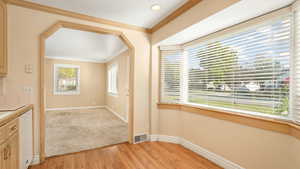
pixel 77 130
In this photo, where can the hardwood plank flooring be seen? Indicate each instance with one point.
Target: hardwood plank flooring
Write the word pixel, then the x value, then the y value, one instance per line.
pixel 147 155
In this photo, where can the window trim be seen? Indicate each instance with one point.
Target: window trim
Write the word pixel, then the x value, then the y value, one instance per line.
pixel 113 93
pixel 55 92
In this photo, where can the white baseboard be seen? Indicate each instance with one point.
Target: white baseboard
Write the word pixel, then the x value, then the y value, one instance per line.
pixel 74 108
pixel 35 160
pixel 164 138
pixel 217 159
pixel 115 113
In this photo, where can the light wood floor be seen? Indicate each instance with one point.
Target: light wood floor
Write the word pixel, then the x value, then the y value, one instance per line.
pixel 148 155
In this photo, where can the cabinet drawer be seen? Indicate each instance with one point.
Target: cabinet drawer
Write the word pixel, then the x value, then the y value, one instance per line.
pixel 12 127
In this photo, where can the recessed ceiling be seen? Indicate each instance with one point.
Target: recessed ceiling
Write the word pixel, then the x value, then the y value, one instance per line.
pixel 134 12
pixel 234 14
pixel 72 44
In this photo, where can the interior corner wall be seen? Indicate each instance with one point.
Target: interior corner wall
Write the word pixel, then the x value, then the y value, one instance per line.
pixel 154 93
pixel 92 85
pixel 119 103
pixel 24 27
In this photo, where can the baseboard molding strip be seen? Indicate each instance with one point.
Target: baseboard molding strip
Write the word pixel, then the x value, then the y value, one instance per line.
pixel 115 113
pixel 217 159
pixel 74 108
pixel 35 160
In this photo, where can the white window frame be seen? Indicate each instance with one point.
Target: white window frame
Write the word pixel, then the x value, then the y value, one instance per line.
pixel 112 72
pixel 55 67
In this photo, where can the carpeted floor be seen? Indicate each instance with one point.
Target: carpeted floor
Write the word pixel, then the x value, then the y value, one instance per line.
pixel 77 130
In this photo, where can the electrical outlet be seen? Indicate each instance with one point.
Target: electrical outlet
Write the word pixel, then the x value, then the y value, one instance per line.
pixel 28 68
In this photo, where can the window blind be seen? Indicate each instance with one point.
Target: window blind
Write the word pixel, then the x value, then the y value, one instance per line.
pixel 170 75
pixel 296 68
pixel 246 71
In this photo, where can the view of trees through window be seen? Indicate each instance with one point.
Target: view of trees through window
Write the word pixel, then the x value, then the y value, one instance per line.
pixel 247 71
pixel 66 79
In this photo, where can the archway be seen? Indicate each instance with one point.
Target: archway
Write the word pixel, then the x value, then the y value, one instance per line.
pixel 63 24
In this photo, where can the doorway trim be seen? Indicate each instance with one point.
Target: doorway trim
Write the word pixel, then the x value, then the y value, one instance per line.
pixel 64 24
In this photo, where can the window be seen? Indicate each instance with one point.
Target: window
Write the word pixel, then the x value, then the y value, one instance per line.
pixel 66 79
pixel 171 62
pixel 246 72
pixel 112 79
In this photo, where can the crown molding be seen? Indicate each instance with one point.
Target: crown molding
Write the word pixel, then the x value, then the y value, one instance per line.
pixel 185 7
pixel 58 11
pixel 35 6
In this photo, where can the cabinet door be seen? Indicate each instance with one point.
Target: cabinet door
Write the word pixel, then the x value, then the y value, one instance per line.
pixel 13 147
pixel 1 156
pixel 4 156
pixel 3 37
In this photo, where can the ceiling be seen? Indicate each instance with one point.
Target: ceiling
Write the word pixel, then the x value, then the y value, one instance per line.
pixel 78 45
pixel 134 12
pixel 234 14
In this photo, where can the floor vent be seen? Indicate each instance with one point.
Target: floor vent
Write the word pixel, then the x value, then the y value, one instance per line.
pixel 140 138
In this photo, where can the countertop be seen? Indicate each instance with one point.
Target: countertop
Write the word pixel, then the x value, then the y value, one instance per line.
pixel 7 116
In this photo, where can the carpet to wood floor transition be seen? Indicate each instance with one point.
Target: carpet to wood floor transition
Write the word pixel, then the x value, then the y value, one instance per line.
pixel 78 130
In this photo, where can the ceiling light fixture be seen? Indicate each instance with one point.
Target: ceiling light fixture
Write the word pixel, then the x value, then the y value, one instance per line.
pixel 155 7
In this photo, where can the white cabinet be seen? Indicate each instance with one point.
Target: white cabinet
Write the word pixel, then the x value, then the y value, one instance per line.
pixel 25 140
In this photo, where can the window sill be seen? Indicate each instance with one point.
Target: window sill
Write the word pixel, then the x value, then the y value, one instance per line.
pixel 267 123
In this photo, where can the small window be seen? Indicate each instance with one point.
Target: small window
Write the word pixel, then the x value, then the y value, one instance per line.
pixel 66 79
pixel 112 79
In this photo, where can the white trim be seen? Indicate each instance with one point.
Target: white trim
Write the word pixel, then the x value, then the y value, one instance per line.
pixel 35 160
pixel 217 159
pixel 75 108
pixel 154 137
pixel 55 67
pixel 164 138
pixel 75 59
pixel 115 113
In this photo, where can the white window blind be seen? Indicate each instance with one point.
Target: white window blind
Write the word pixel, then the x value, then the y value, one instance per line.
pixel 296 68
pixel 170 75
pixel 246 71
